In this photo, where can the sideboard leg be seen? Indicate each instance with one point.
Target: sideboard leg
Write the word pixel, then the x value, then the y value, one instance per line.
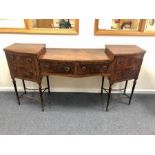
pixel 108 99
pixel 126 83
pixel 48 85
pixel 24 86
pixel 133 87
pixel 41 97
pixel 15 87
pixel 102 85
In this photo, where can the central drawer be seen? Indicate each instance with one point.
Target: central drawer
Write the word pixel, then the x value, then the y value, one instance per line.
pixel 57 67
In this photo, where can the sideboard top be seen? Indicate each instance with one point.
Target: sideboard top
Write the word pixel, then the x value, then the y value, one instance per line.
pixel 25 48
pixel 75 54
pixel 124 49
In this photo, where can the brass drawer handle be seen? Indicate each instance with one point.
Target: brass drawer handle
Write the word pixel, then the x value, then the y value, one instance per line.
pixel 105 67
pixel 67 68
pixel 30 73
pixel 83 68
pixel 47 66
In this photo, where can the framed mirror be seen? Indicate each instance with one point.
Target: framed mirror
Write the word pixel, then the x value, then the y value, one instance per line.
pixel 125 27
pixel 40 26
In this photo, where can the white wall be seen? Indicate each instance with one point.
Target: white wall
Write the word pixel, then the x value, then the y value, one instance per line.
pixel 85 39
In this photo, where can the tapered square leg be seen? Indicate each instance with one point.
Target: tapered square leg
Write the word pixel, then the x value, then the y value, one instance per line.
pixel 133 88
pixel 41 97
pixel 16 91
pixel 24 86
pixel 102 85
pixel 48 85
pixel 108 99
pixel 126 83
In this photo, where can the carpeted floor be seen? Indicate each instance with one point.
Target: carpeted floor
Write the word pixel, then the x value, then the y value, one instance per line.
pixel 77 113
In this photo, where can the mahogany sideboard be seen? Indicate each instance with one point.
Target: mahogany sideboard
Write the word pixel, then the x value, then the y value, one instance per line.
pixel 34 61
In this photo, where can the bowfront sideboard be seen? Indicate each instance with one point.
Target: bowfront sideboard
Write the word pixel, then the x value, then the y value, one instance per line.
pixel 34 61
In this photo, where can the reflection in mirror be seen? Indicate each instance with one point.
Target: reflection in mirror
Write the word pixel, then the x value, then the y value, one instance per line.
pixel 119 24
pixel 150 25
pixel 125 27
pixel 51 23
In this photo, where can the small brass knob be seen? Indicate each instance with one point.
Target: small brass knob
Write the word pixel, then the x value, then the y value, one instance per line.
pixel 104 67
pixel 29 60
pixel 67 68
pixel 83 68
pixel 31 71
pixel 11 57
pixel 15 69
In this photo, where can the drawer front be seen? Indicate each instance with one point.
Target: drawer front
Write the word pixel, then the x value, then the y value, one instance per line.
pixel 57 67
pixel 25 60
pixel 92 68
pixel 123 62
pixel 22 60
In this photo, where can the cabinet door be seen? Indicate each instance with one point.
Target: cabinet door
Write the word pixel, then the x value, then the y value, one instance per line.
pixel 126 67
pixel 23 66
